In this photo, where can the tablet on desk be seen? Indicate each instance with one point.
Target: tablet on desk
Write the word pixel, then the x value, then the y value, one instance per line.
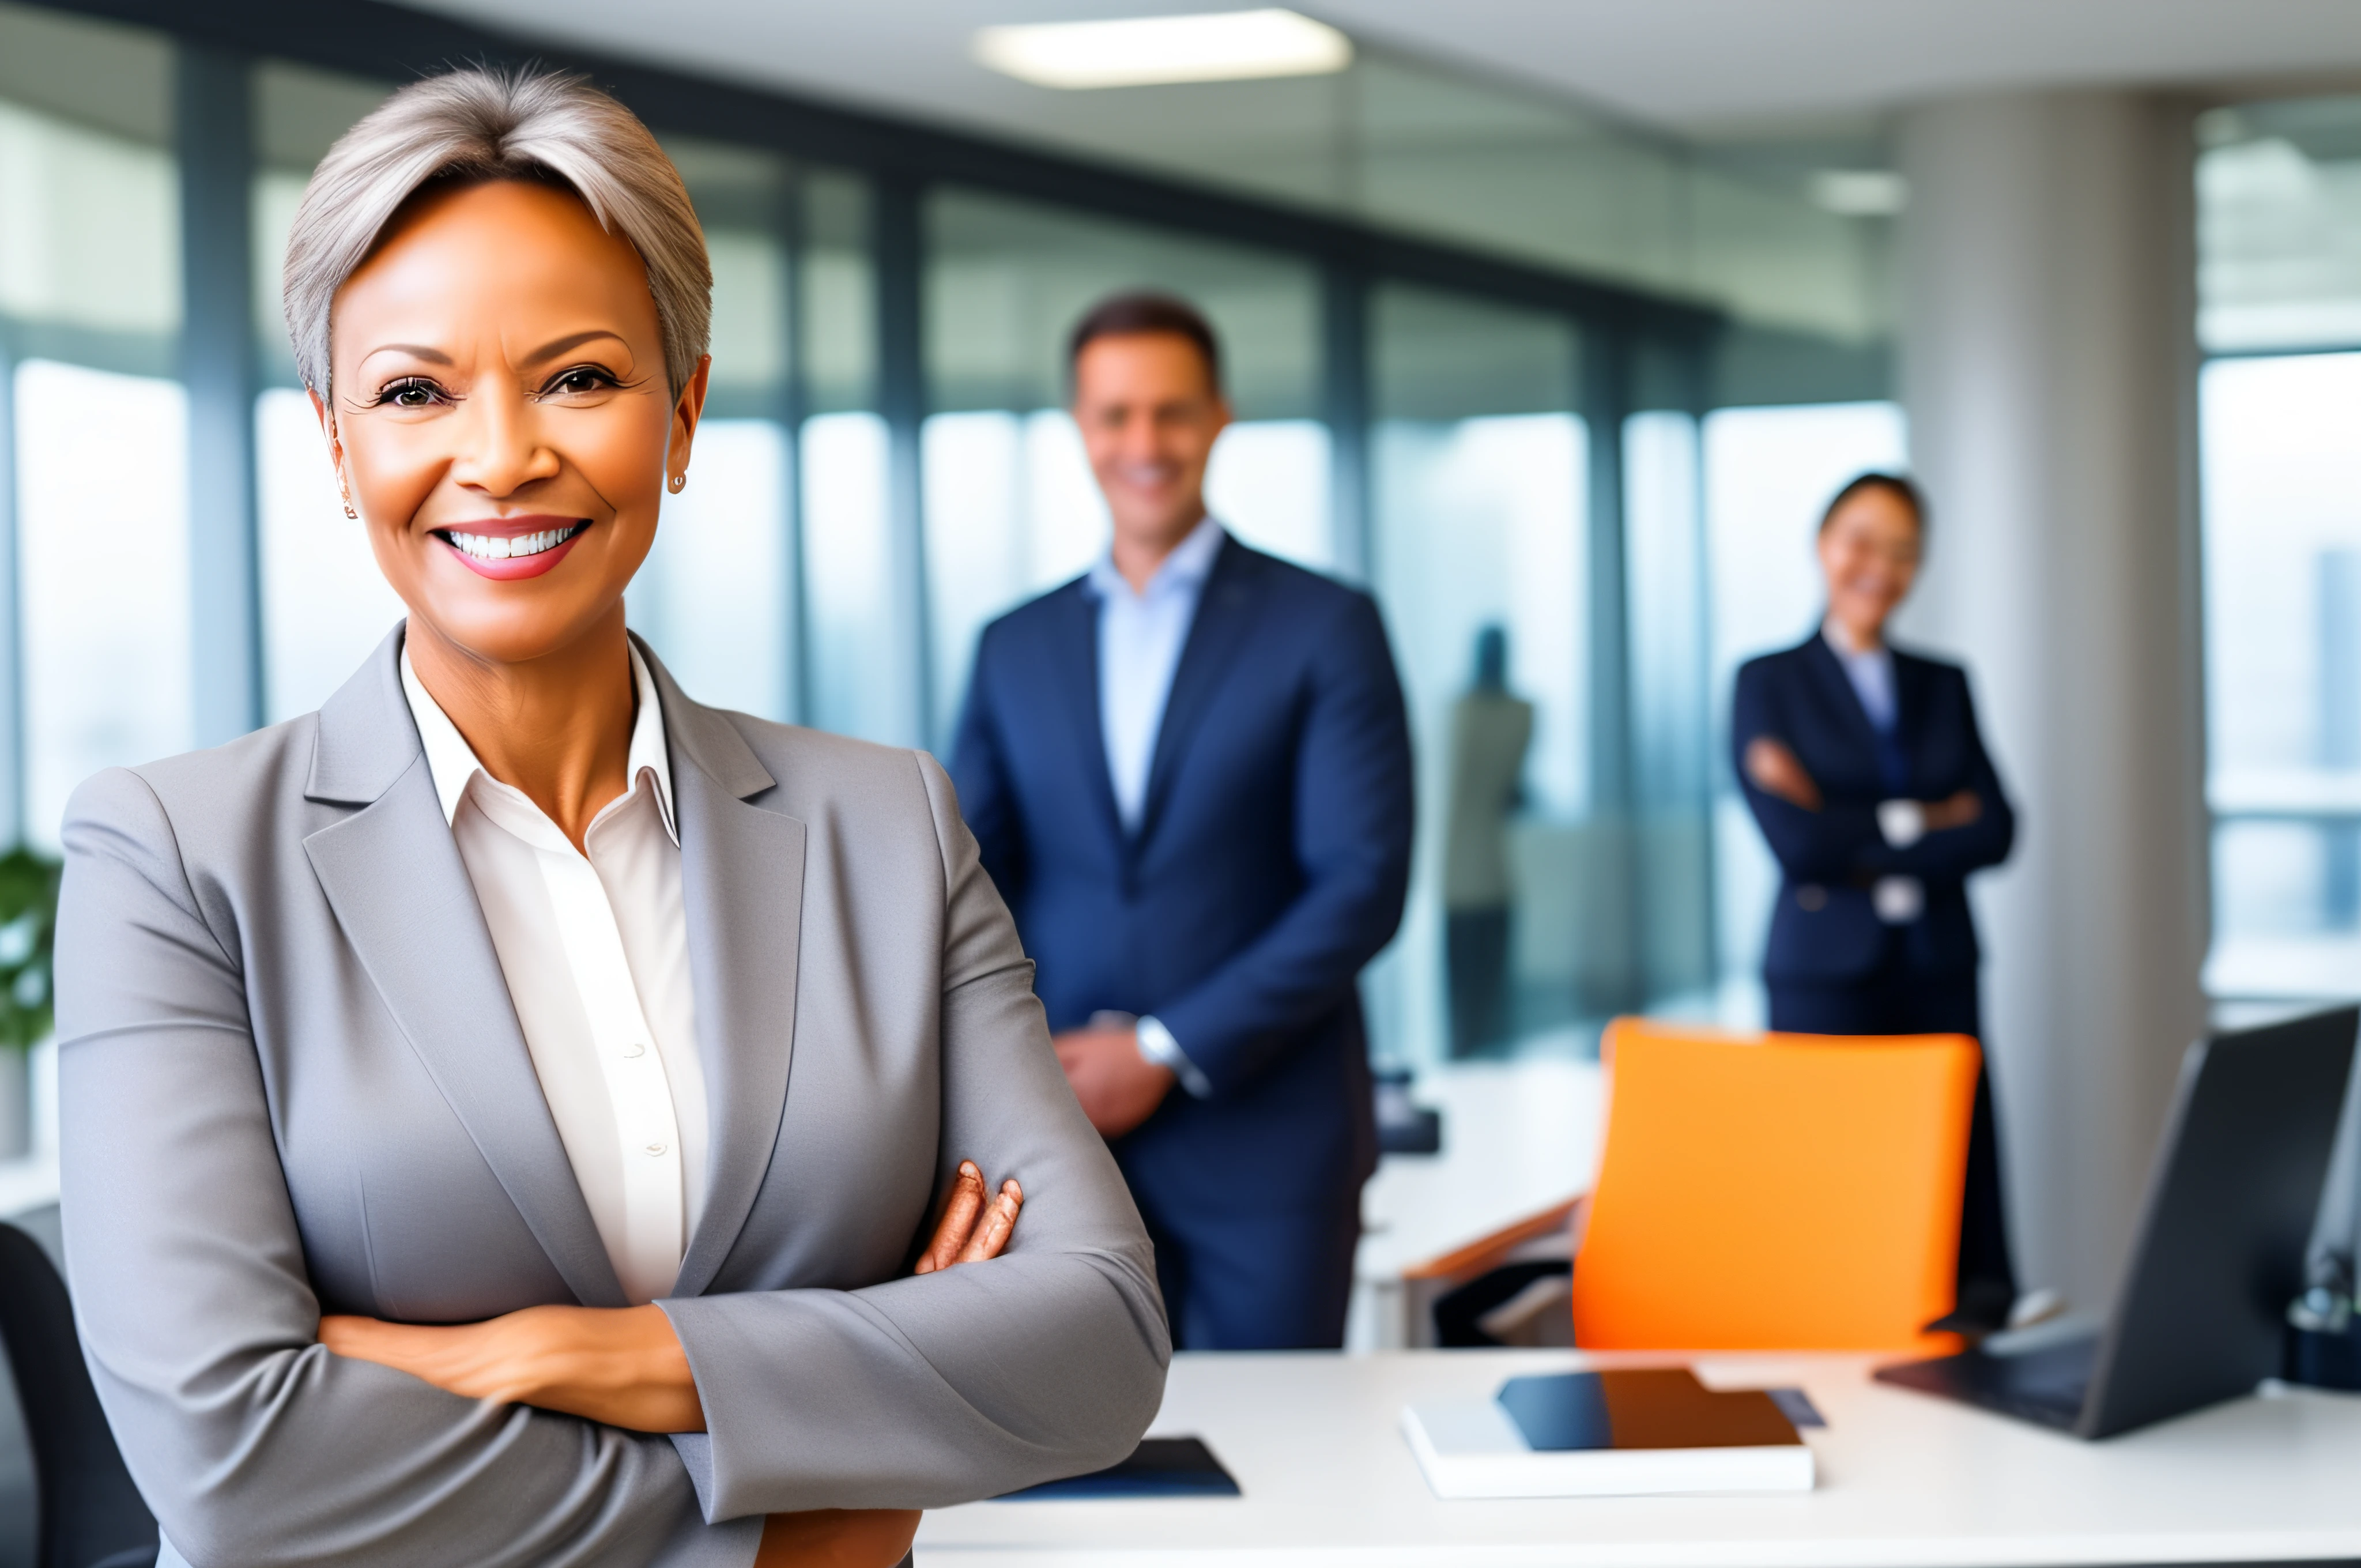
pixel 1158 1467
pixel 1624 1433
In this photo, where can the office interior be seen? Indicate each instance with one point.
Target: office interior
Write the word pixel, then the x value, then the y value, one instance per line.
pixel 1561 321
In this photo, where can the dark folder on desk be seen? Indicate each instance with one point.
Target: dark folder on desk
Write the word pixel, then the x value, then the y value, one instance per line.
pixel 1158 1467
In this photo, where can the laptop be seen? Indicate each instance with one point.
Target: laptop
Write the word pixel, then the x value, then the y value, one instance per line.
pixel 2218 1255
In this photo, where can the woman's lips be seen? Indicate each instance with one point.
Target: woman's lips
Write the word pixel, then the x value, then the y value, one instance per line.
pixel 514 547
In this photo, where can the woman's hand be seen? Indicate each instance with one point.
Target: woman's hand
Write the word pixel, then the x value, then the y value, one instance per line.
pixel 1775 770
pixel 1958 811
pixel 969 1231
pixel 623 1367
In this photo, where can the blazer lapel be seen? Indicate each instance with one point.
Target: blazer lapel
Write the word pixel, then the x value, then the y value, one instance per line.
pixel 1837 687
pixel 1910 710
pixel 742 874
pixel 1225 617
pixel 392 872
pixel 1074 662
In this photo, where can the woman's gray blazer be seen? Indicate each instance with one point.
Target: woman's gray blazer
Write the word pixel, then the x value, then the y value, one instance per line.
pixel 293 1083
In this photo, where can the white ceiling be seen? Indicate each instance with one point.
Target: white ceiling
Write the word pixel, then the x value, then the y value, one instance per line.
pixel 1692 63
pixel 1683 65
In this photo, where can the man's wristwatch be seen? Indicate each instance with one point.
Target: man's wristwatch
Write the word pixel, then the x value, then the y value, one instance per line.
pixel 1158 1047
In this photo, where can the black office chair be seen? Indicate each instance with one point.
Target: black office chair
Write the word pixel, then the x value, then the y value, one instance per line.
pixel 91 1515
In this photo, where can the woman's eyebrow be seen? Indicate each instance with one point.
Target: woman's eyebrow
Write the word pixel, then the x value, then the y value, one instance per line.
pixel 566 345
pixel 416 350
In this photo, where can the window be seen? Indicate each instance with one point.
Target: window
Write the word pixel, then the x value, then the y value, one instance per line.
pixel 104 569
pixel 715 597
pixel 324 606
pixel 2279 303
pixel 1480 474
pixel 2282 499
pixel 90 316
pixel 859 661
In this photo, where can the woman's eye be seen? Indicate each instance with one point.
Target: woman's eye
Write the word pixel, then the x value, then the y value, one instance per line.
pixel 410 395
pixel 581 378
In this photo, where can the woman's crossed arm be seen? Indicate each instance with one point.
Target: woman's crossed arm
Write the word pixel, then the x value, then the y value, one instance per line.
pixel 625 1367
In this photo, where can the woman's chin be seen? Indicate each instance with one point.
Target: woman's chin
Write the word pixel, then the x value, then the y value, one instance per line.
pixel 510 628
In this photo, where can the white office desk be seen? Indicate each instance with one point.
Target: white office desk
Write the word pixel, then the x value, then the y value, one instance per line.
pixel 1517 1137
pixel 1905 1480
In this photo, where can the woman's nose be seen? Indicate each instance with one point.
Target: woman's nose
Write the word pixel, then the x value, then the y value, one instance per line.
pixel 506 452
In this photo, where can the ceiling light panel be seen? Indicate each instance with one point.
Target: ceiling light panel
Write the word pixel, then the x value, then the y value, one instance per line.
pixel 1861 192
pixel 1139 52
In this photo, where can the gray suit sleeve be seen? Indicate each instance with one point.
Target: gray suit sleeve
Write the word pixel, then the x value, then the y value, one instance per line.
pixel 253 1445
pixel 1046 1361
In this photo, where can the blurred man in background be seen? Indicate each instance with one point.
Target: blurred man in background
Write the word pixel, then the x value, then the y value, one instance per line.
pixel 1491 728
pixel 1190 773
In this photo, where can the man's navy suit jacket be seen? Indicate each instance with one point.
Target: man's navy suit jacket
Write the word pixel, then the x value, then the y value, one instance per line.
pixel 1269 867
pixel 1824 927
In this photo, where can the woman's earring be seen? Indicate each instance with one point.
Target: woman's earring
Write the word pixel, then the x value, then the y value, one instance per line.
pixel 348 509
pixel 679 483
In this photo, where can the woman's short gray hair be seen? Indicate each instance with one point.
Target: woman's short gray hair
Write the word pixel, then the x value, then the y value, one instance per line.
pixel 486 125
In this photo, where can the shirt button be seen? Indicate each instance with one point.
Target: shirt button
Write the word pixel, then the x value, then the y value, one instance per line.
pixel 636 1048
pixel 654 1150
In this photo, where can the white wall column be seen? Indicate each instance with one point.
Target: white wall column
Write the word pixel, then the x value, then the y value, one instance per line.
pixel 2047 368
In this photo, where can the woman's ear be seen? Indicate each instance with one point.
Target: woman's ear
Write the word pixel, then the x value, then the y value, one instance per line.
pixel 685 412
pixel 320 411
pixel 336 449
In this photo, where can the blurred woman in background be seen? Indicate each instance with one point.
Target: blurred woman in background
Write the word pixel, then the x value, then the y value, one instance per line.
pixel 1866 769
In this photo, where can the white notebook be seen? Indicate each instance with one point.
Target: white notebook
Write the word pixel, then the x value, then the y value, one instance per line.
pixel 1600 1434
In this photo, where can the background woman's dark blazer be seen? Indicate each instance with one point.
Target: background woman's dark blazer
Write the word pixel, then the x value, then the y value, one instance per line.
pixel 1824 928
pixel 292 1082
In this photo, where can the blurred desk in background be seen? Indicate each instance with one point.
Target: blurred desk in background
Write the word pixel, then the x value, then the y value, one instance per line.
pixel 1519 1143
pixel 1314 1442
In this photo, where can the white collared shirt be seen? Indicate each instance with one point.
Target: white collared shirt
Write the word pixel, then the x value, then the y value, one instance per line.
pixel 1898 900
pixel 1870 671
pixel 1140 639
pixel 596 953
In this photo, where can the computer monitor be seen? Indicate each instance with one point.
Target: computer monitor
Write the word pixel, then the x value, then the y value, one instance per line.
pixel 2218 1255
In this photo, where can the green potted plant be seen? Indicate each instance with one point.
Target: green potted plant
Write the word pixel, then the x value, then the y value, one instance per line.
pixel 29 925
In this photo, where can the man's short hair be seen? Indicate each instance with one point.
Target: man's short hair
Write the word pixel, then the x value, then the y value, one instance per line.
pixel 1134 314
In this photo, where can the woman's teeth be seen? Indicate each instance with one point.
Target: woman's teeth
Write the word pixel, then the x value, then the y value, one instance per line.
pixel 493 547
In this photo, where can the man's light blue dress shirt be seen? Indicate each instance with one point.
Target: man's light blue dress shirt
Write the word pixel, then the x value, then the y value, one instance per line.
pixel 1140 639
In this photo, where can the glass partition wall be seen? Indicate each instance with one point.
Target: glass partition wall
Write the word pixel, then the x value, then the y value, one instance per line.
pixel 1520 463
pixel 1479 459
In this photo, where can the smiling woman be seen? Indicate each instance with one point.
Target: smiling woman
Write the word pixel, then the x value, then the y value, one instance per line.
pixel 1866 772
pixel 434 1185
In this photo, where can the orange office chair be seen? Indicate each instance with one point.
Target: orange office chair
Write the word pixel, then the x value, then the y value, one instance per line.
pixel 1775 1192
